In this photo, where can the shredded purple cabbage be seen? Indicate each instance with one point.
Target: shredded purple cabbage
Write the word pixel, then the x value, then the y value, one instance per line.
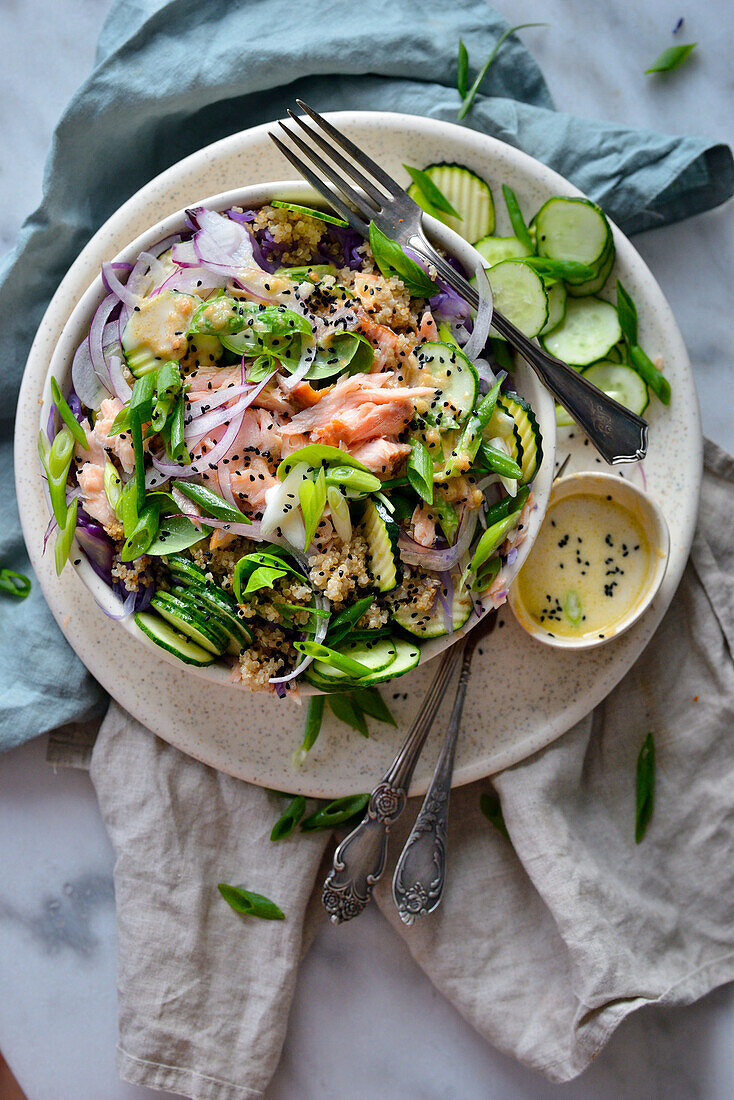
pixel 349 241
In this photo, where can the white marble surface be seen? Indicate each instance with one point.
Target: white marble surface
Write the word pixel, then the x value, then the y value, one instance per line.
pixel 364 1014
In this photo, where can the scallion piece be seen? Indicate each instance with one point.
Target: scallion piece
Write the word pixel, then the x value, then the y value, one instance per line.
pixel 343 708
pixel 336 812
pixel 490 541
pixel 57 463
pixel 485 408
pixel 173 435
pixel 469 97
pixel 288 820
pixel 433 195
pixel 14 584
pixel 341 661
pixel 143 533
pixel 506 507
pixel 312 498
pixel 517 221
pixel 211 503
pixel 314 718
pixel 250 904
pixel 112 485
pixel 672 58
pixel 346 477
pixel 500 462
pixel 167 386
pixel 65 538
pixel 68 416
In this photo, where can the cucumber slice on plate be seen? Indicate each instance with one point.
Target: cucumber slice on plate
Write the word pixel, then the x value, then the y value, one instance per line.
pixel 531 440
pixel 588 331
pixel 377 656
pixel 467 192
pixel 457 383
pixel 572 229
pixel 160 632
pixel 519 294
pixel 209 635
pixel 433 625
pixel 495 249
pixel 556 306
pixel 381 533
pixel 620 382
pixel 407 656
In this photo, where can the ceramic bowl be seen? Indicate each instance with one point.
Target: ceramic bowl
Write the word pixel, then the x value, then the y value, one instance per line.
pixel 258 195
pixel 651 519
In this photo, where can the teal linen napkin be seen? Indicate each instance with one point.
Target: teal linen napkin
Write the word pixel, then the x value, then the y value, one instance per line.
pixel 173 76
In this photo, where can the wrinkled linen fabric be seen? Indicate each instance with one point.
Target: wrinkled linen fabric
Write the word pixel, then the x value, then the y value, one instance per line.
pixel 171 77
pixel 544 943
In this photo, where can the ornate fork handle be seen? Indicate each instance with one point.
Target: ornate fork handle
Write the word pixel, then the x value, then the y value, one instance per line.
pixel 360 859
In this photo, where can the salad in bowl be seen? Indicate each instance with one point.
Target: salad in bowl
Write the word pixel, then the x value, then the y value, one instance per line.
pixel 282 455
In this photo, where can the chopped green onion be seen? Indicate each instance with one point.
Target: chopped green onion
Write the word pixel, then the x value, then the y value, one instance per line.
pixel 645 787
pixel 312 498
pixel 65 538
pixel 486 574
pixel 627 313
pixel 433 195
pixel 167 386
pixel 174 438
pixel 346 477
pixel 558 269
pixel 14 584
pixel 315 455
pixel 392 261
pixel 143 533
pixel 507 506
pixel 519 227
pixel 288 820
pixel 672 58
pixel 250 904
pixel 68 416
pixel 336 812
pixel 332 656
pixel 469 97
pixel 419 469
pixel 57 462
pixel 112 485
pixel 647 370
pixel 211 503
pixel 342 623
pixel 572 607
pixel 345 710
pixel 314 718
pixel 127 508
pixel 500 462
pixel 462 70
pixel 490 541
pixel 485 408
pixel 490 806
pixel 448 517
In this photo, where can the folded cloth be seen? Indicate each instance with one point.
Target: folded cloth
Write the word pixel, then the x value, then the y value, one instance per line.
pixel 544 942
pixel 172 76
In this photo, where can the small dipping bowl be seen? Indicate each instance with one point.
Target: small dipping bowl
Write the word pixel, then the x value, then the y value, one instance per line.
pixel 614 549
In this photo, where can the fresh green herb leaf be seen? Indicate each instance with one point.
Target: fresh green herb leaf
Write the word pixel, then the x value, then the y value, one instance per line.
pixel 68 416
pixel 336 812
pixel 345 351
pixel 262 577
pixel 433 195
pixel 391 260
pixel 371 702
pixel 501 354
pixel 645 787
pixel 14 584
pixel 627 313
pixel 288 820
pixel 672 58
pixel 176 533
pixel 469 97
pixel 250 904
pixel 519 227
pixel 490 806
pixel 462 70
pixel 419 469
pixel 344 708
pixel 249 564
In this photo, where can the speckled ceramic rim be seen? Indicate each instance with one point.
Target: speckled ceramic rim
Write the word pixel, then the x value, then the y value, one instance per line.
pixel 522 695
pixel 656 529
pixel 254 196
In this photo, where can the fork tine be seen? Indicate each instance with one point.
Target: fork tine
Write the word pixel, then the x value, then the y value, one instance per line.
pixel 336 201
pixel 364 205
pixel 390 185
pixel 336 156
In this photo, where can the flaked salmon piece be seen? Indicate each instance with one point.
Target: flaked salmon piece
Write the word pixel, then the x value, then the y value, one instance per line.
pixel 392 349
pixel 251 480
pixel 427 329
pixel 220 540
pixel 358 408
pixel 381 455
pixel 306 395
pixel 94 498
pixel 206 379
pixel 119 445
pixel 424 525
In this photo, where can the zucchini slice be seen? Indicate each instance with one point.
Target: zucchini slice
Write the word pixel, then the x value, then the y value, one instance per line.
pixel 433 625
pixel 377 656
pixel 467 192
pixel 495 249
pixel 519 294
pixel 593 286
pixel 526 426
pixel 572 229
pixel 159 631
pixel 589 330
pixel 209 635
pixel 457 383
pixel 620 382
pixel 382 533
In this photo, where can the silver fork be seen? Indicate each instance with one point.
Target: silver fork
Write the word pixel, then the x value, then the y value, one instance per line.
pixel 359 861
pixel 618 434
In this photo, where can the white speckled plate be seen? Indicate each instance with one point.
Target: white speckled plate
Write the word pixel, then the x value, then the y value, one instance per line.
pixel 522 695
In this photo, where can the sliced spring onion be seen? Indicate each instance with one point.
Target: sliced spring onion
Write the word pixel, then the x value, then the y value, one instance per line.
pixel 340 515
pixel 143 533
pixel 572 607
pixel 315 455
pixel 336 812
pixel 174 434
pixel 167 386
pixel 507 507
pixel 112 485
pixel 68 416
pixel 65 538
pixel 14 584
pixel 343 708
pixel 56 460
pixel 249 903
pixel 519 228
pixel 342 624
pixel 491 539
pixel 333 657
pixel 647 370
pixel 312 498
pixel 500 462
pixel 371 702
pixel 433 194
pixel 349 478
pixel 314 718
pixel 290 817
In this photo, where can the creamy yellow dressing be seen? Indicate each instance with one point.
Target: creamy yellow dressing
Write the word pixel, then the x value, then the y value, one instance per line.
pixel 588 568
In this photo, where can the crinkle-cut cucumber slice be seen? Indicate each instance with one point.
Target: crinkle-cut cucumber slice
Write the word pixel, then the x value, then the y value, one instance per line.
pixel 531 440
pixel 520 296
pixel 620 382
pixel 556 306
pixel 572 229
pixel 467 192
pixel 494 250
pixel 160 632
pixel 381 533
pixel 587 332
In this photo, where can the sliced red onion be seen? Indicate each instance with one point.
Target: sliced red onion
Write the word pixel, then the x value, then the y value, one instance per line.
pixel 192 280
pixel 247 530
pixel 119 383
pixel 222 243
pixel 214 399
pixel 446 597
pixel 225 485
pixel 511 555
pixel 139 276
pixel 96 332
pixel 128 607
pixel 413 553
pixel 113 284
pixel 483 321
pixel 87 382
pixel 308 354
pixel 485 372
pixel 52 525
pixel 184 254
pixel 207 422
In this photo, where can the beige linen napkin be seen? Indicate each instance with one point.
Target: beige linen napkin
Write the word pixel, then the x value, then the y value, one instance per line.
pixel 544 944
